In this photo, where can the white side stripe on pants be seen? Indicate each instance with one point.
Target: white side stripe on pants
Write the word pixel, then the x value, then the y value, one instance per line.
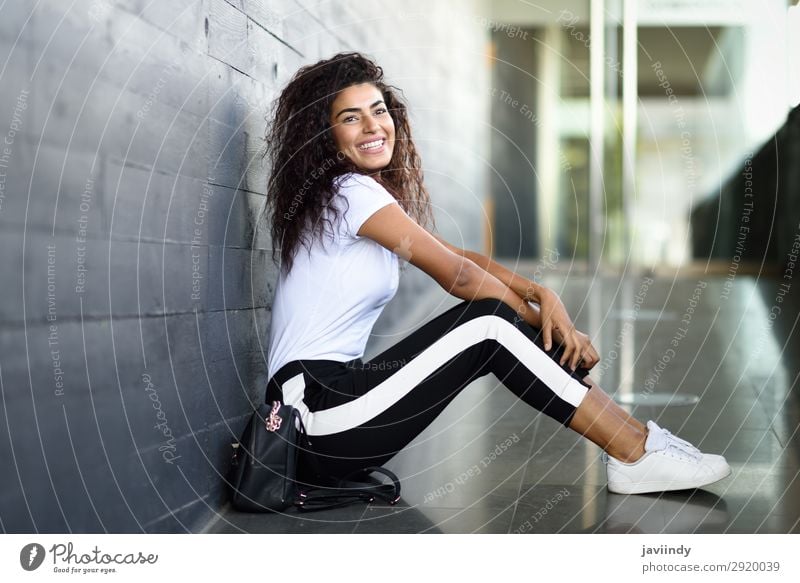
pixel 397 386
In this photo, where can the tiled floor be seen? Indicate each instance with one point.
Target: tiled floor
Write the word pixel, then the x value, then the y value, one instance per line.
pixel 492 464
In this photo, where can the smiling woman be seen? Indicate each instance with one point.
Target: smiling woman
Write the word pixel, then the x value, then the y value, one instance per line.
pixel 321 123
pixel 346 182
pixel 363 128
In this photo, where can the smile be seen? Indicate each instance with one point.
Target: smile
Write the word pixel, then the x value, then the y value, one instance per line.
pixel 372 146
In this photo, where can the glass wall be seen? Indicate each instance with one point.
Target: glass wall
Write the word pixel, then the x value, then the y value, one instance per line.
pixel 612 174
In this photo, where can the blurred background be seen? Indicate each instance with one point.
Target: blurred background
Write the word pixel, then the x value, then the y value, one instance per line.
pixel 640 157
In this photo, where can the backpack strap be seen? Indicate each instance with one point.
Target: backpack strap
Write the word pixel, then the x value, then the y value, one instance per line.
pixel 388 492
pixel 349 489
pixel 348 492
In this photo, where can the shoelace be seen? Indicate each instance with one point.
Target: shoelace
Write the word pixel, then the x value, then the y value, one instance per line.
pixel 683 446
pixel 673 441
pixel 669 434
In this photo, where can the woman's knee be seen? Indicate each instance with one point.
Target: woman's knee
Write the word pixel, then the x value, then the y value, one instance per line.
pixel 493 307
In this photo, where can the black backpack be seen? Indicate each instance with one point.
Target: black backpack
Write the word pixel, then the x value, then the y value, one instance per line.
pixel 263 473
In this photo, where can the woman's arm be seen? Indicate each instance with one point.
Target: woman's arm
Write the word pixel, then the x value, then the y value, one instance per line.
pixel 551 317
pixel 392 228
pixel 524 287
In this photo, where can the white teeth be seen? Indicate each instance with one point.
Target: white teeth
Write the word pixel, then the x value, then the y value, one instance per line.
pixel 371 145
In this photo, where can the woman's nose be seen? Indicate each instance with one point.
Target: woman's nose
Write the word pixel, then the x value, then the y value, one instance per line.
pixel 370 124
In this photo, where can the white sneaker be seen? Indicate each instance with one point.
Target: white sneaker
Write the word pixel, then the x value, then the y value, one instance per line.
pixel 669 463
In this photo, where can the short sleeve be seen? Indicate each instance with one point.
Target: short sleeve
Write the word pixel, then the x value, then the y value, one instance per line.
pixel 365 196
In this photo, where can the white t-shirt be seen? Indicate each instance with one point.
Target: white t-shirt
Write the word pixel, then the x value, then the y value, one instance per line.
pixel 326 307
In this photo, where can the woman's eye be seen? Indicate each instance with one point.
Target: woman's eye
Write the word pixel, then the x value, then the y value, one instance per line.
pixel 350 118
pixel 380 111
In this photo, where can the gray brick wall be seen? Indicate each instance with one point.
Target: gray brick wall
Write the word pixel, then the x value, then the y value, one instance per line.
pixel 136 285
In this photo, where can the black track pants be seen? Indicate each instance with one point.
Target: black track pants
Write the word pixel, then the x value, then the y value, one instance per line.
pixel 359 414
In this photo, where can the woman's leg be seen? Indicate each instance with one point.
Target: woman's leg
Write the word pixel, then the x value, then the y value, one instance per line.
pixel 358 416
pixel 362 414
pixel 643 459
pixel 608 425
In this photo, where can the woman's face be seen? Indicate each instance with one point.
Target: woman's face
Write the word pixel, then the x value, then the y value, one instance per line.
pixel 362 126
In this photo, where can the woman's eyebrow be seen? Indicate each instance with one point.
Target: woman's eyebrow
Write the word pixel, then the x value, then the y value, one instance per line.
pixel 355 109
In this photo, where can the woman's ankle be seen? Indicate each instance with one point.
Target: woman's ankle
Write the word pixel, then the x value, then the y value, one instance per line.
pixel 630 452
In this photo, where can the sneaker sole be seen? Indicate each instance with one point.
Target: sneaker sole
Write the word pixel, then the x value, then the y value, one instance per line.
pixel 651 487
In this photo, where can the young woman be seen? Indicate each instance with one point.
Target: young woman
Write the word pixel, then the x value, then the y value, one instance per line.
pixel 346 199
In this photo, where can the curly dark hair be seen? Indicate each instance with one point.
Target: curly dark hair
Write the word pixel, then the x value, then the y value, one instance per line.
pixel 303 158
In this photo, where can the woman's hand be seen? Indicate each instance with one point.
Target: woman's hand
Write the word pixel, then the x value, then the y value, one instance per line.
pixel 589 358
pixel 557 325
